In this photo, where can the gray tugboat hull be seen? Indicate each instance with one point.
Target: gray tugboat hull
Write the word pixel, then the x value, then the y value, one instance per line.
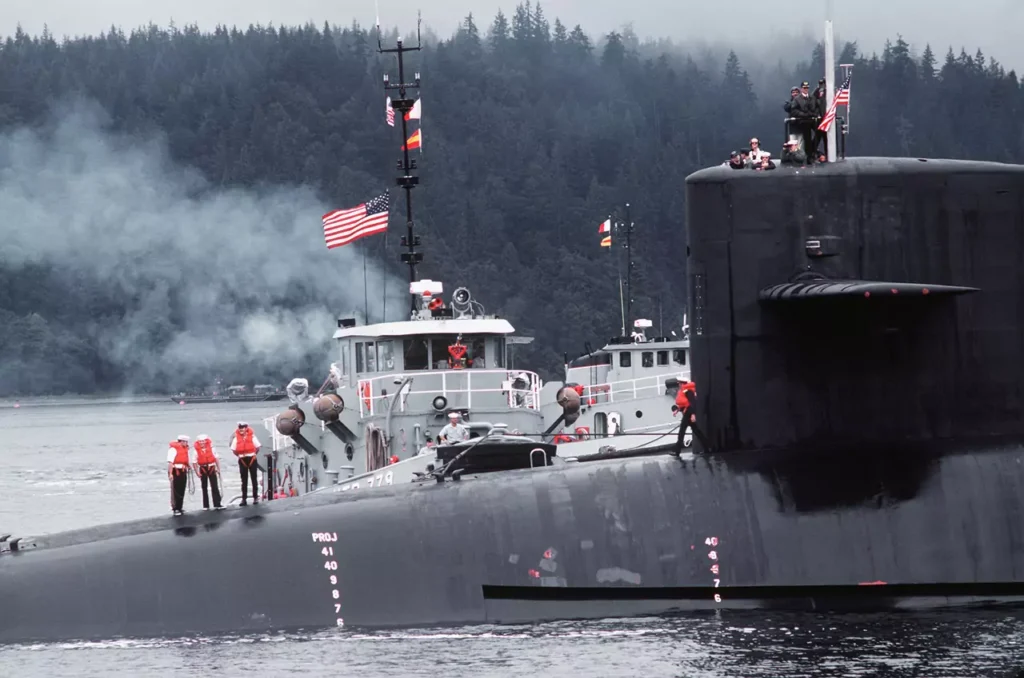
pixel 605 538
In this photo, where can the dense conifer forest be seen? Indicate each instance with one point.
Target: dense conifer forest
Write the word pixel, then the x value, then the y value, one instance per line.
pixel 534 132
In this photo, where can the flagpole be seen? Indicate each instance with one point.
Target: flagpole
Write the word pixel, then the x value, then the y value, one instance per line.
pixel 384 280
pixel 622 309
pixel 629 269
pixel 830 83
pixel 366 294
pixel 618 267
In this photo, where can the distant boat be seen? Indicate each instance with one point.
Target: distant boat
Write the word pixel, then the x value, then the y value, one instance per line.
pixel 233 394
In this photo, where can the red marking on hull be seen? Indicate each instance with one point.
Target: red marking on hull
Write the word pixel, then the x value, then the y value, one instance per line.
pixel 871 583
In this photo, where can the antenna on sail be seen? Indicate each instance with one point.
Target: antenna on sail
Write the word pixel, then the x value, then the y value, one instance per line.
pixel 407 180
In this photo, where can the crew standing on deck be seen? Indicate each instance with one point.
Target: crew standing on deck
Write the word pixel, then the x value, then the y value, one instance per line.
pixel 685 400
pixel 208 469
pixel 179 460
pixel 246 446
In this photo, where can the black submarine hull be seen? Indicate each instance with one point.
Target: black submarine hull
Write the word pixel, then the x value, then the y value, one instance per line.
pixel 597 539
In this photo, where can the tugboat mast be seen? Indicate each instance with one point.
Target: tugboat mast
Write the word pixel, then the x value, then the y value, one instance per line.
pixel 407 180
pixel 629 266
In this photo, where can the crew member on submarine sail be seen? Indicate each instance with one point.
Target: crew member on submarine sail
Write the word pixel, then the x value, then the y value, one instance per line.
pixel 246 446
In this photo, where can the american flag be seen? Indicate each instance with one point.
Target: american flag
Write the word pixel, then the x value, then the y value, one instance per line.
pixel 391 113
pixel 344 226
pixel 842 99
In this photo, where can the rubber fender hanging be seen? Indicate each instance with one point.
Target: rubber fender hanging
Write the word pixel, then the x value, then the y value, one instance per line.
pixel 569 400
pixel 328 407
pixel 290 421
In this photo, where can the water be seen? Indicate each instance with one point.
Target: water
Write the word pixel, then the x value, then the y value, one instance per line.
pixel 74 463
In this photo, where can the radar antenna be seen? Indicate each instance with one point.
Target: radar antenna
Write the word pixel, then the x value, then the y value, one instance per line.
pixel 407 180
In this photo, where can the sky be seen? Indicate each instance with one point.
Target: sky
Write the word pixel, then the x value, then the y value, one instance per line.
pixel 978 23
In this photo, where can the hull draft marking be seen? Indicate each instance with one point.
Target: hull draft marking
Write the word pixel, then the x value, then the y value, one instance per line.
pixel 327 540
pixel 715 563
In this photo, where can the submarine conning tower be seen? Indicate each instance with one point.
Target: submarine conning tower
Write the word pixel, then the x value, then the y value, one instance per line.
pixel 870 300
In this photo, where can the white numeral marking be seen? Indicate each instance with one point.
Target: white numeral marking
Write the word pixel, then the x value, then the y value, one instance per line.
pixel 335 594
pixel 325 536
pixel 330 565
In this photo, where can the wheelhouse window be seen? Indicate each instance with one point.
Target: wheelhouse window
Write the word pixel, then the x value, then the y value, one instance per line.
pixel 474 356
pixel 360 363
pixel 647 359
pixel 679 356
pixel 663 357
pixel 385 356
pixel 414 352
pixel 498 355
pixel 625 359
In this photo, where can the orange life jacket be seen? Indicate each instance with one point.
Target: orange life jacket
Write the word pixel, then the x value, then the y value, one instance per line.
pixel 682 400
pixel 180 452
pixel 204 452
pixel 243 441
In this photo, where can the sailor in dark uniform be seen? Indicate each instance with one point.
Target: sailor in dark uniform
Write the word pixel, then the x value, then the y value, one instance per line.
pixel 802 109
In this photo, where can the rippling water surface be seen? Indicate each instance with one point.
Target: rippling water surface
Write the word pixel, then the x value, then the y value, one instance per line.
pixel 73 463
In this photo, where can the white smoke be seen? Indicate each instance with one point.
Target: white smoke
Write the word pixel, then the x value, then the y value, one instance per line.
pixel 250 272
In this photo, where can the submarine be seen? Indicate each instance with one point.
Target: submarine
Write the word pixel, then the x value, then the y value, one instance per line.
pixel 855 332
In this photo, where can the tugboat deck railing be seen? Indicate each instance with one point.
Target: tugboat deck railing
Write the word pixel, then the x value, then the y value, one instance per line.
pixel 452 382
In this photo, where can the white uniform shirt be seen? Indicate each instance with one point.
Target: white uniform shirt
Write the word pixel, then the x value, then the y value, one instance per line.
pixel 255 441
pixel 453 433
pixel 172 453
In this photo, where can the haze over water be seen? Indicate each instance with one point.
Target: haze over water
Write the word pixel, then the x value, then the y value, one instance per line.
pixel 72 463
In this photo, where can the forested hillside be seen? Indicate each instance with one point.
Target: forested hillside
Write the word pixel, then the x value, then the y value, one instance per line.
pixel 533 133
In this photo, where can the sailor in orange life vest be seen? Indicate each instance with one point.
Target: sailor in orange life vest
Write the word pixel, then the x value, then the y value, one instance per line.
pixel 178 462
pixel 246 446
pixel 686 398
pixel 208 469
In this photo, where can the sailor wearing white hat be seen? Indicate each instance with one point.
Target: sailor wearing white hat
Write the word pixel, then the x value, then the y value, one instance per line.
pixel 454 432
pixel 208 469
pixel 246 446
pixel 179 460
